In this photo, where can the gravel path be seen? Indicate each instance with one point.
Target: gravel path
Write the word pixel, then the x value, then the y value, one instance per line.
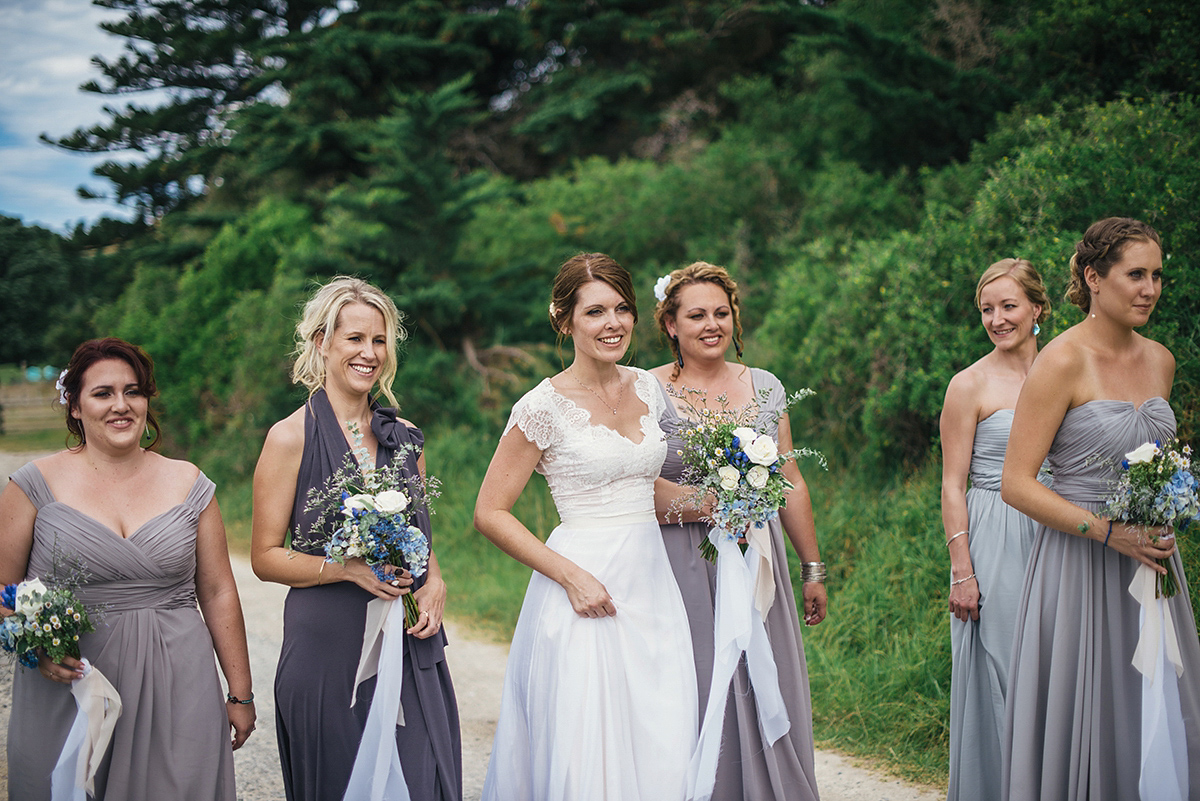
pixel 478 670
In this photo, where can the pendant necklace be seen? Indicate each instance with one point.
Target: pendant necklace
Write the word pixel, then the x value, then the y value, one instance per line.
pixel 620 395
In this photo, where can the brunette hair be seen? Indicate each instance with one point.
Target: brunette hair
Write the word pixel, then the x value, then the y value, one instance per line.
pixel 1102 246
pixel 320 317
pixel 579 270
pixel 1026 277
pixel 98 350
pixel 696 273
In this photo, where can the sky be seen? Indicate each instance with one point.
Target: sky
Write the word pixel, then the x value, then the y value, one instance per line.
pixel 46 48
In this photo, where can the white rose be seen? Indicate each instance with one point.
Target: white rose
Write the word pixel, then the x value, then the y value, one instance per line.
pixel 762 451
pixel 1142 453
pixel 745 436
pixel 729 477
pixel 31 597
pixel 360 503
pixel 391 501
pixel 757 476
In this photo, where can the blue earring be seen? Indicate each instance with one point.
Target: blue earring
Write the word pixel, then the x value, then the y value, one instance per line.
pixel 1037 329
pixel 679 353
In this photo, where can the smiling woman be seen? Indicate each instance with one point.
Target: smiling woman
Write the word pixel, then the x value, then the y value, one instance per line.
pixel 143 538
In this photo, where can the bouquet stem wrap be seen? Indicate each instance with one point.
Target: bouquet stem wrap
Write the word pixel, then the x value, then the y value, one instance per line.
pixel 1164 767
pixel 738 628
pixel 377 775
pixel 98 708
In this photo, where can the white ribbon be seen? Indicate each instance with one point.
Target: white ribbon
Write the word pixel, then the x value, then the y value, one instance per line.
pixel 377 775
pixel 1157 627
pixel 759 539
pixel 1164 766
pixel 98 707
pixel 737 628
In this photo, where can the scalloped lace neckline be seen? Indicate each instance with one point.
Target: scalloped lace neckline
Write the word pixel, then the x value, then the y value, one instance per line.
pixel 586 417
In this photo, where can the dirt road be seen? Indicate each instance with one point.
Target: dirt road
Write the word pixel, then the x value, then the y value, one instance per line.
pixel 478 670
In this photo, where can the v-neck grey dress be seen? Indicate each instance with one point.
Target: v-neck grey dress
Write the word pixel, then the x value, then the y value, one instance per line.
pixel 1073 712
pixel 323 626
pixel 746 769
pixel 172 739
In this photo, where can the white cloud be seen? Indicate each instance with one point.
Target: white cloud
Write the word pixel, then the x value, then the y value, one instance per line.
pixel 46 47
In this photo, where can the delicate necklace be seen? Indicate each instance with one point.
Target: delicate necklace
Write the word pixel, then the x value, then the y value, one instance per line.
pixel 620 395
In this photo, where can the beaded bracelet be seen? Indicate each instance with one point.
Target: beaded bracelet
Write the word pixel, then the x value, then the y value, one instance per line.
pixel 233 699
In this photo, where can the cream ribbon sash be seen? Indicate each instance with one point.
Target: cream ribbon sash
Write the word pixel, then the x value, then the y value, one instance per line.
pixel 738 627
pixel 377 775
pixel 98 708
pixel 1164 767
pixel 759 539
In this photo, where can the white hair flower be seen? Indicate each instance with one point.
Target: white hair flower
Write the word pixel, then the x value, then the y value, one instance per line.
pixel 660 287
pixel 62 389
pixel 551 310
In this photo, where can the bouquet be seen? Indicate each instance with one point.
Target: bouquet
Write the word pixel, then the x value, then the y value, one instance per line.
pixel 47 618
pixel 741 467
pixel 374 508
pixel 1157 488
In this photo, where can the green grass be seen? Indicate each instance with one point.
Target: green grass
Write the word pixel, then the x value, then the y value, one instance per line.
pixel 28 441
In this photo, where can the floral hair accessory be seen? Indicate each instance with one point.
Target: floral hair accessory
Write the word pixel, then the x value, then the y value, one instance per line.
pixel 660 287
pixel 551 310
pixel 62 389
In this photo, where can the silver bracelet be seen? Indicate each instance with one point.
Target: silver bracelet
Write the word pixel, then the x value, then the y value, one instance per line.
pixel 956 536
pixel 961 580
pixel 812 572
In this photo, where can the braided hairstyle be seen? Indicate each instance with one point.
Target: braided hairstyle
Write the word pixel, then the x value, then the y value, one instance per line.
pixel 1102 246
pixel 696 273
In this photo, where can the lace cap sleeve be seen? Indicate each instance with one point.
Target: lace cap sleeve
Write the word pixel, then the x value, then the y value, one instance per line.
pixel 537 417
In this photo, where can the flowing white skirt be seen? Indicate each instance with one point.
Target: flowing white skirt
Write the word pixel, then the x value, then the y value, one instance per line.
pixel 599 708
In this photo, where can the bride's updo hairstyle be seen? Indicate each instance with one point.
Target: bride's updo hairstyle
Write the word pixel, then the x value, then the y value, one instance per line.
pixel 1026 277
pixel 321 317
pixel 70 383
pixel 579 270
pixel 1102 246
pixel 696 273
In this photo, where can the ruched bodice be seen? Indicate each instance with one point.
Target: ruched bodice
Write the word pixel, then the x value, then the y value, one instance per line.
pixel 594 472
pixel 1095 436
pixel 152 568
pixel 987 454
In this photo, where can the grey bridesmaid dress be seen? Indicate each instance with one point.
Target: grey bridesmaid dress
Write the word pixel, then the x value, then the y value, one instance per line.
pixel 746 769
pixel 323 626
pixel 1000 540
pixel 1073 712
pixel 150 642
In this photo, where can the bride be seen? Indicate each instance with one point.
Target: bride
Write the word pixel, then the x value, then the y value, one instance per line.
pixel 600 692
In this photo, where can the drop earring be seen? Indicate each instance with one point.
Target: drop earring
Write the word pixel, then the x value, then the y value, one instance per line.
pixel 1037 329
pixel 678 352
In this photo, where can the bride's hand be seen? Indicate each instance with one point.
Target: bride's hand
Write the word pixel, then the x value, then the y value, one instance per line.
pixel 588 596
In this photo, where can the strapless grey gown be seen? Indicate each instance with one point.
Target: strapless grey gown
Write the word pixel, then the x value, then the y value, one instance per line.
pixel 1072 717
pixel 746 768
pixel 150 642
pixel 1000 541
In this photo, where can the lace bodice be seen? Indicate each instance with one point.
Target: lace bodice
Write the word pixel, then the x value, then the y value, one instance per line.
pixel 592 470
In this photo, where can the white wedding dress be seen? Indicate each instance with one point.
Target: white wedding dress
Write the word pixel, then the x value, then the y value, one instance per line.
pixel 598 708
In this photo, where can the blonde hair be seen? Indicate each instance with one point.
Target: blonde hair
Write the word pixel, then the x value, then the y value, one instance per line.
pixel 1026 277
pixel 697 273
pixel 320 317
pixel 1102 246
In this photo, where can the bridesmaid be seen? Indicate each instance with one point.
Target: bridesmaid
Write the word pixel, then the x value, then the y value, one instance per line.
pixel 146 532
pixel 1078 709
pixel 698 312
pixel 989 541
pixel 346 347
